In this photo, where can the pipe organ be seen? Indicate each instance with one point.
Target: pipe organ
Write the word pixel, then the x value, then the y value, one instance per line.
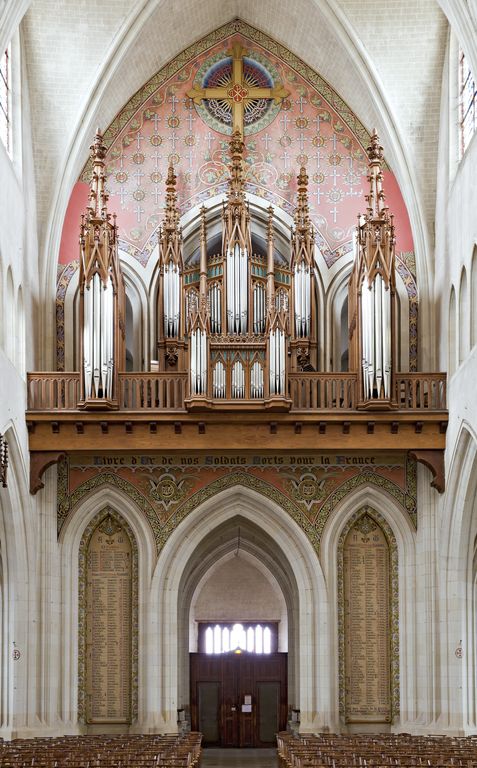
pixel 372 293
pixel 102 296
pixel 238 320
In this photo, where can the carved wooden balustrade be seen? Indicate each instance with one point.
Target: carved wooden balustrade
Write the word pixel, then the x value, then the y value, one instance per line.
pixel 155 412
pixel 140 392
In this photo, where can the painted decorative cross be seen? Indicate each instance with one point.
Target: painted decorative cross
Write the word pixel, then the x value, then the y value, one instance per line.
pixel 237 93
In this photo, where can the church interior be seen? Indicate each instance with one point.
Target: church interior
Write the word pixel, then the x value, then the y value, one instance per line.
pixel 238 342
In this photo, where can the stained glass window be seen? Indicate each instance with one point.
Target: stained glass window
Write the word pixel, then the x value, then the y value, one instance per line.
pixel 467 103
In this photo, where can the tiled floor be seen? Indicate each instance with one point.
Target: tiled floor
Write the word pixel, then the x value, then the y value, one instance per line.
pixel 239 758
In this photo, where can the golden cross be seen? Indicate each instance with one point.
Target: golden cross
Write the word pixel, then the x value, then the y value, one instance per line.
pixel 237 92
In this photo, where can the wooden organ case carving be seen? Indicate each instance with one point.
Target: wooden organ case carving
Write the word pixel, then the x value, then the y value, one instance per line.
pixel 238 322
pixel 102 295
pixel 372 295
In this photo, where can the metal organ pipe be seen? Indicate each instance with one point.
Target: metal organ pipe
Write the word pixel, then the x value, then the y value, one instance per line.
pixel 256 389
pixel 238 380
pixel 215 308
pixel 237 268
pixel 98 338
pixel 302 287
pixel 277 362
pixel 198 360
pixel 171 290
pixel 376 338
pixel 219 380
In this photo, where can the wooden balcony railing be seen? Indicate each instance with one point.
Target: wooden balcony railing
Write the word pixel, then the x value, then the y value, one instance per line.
pixel 323 391
pixel 421 391
pixel 167 391
pixel 150 391
pixel 53 391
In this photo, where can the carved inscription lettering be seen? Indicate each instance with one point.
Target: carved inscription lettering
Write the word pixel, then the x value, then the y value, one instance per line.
pixel 108 625
pixel 366 623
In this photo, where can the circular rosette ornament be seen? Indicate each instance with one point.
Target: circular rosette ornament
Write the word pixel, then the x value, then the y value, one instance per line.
pixel 216 75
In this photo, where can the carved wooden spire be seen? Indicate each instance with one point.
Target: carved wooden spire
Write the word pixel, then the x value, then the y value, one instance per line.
pixel 171 234
pixel 303 236
pixel 376 237
pixel 98 234
pixel 236 213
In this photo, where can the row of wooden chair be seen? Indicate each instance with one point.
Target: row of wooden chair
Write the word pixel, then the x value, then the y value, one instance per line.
pixel 375 751
pixel 138 751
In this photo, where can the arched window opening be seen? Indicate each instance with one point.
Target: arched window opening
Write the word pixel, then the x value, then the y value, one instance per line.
pixel 467 103
pixel 464 320
pixel 238 637
pixel 473 301
pixel 129 336
pixel 10 326
pixel 344 357
pixel 20 333
pixel 451 350
pixel 6 100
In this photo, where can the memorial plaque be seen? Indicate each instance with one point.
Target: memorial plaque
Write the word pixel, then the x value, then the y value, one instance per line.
pixel 366 624
pixel 108 625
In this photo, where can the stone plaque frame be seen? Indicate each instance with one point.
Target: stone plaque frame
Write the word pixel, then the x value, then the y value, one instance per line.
pixel 82 574
pixel 393 609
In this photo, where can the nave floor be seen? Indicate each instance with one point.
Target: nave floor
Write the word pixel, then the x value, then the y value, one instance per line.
pixel 239 758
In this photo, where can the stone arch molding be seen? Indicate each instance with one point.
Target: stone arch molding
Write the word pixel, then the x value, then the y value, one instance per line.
pixel 90 509
pixel 399 529
pixel 457 536
pixel 313 675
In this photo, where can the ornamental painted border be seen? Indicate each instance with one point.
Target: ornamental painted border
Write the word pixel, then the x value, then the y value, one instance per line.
pixel 83 549
pixel 67 503
pixel 394 609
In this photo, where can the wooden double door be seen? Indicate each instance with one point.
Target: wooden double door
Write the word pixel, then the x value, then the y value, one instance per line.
pixel 238 700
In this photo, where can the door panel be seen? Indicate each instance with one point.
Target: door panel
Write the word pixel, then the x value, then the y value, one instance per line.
pixel 227 686
pixel 209 697
pixel 268 706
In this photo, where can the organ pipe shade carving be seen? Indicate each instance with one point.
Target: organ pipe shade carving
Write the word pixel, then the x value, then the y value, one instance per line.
pixel 102 297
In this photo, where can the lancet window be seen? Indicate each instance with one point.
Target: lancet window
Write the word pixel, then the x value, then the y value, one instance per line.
pixel 467 103
pixel 5 99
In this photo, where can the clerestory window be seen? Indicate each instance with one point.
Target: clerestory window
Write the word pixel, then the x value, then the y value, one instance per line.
pixel 5 100
pixel 467 103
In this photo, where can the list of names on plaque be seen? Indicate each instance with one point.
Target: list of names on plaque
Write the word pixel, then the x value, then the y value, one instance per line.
pixel 108 625
pixel 366 623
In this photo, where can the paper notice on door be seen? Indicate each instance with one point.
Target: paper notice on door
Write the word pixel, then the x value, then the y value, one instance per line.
pixel 246 707
pixel 247 699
